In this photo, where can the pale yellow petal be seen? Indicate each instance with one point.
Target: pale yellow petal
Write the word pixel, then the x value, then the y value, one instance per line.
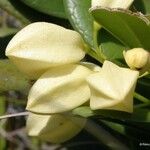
pixel 42 45
pixel 112 3
pixel 112 88
pixel 59 89
pixel 54 128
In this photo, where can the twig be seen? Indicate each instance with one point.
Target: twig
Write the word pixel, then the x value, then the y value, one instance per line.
pixel 14 115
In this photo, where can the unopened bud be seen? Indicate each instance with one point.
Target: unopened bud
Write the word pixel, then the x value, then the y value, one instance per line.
pixel 137 58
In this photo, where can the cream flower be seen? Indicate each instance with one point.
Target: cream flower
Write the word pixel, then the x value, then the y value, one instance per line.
pixel 112 88
pixel 137 58
pixel 56 128
pixel 112 3
pixel 42 45
pixel 59 89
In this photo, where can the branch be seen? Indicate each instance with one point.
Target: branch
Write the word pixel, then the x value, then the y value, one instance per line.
pixel 14 115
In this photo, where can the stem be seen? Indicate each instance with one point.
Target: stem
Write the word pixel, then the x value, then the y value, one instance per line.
pixel 141 98
pixel 14 115
pixel 143 75
pixel 142 105
pixel 104 136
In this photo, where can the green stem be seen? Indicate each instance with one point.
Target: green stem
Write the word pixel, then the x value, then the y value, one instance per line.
pixel 141 98
pixel 104 136
pixel 142 105
pixel 143 75
pixel 99 55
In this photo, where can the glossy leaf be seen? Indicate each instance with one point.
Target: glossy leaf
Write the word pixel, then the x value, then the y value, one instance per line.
pixel 80 18
pixel 110 47
pixel 133 30
pixel 50 7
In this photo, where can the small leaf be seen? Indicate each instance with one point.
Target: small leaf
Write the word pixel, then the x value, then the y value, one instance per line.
pixel 131 29
pixel 50 7
pixel 80 18
pixel 83 111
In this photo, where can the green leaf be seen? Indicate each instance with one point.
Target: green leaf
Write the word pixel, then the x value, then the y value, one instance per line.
pixel 138 116
pixel 80 18
pixel 133 30
pixel 11 78
pixel 110 47
pixel 142 6
pixel 50 7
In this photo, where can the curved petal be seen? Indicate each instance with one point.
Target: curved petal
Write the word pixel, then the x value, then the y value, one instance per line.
pixel 42 45
pixel 54 128
pixel 112 88
pixel 112 3
pixel 59 89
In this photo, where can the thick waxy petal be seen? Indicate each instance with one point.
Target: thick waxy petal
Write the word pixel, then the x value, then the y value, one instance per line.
pixel 59 89
pixel 41 45
pixel 112 88
pixel 54 128
pixel 113 3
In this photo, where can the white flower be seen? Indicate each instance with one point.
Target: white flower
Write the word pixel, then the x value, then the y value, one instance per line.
pixel 54 128
pixel 124 4
pixel 40 46
pixel 112 88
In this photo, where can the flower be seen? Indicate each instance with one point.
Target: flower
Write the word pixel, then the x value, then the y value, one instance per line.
pixel 51 54
pixel 59 89
pixel 56 128
pixel 112 88
pixel 124 4
pixel 40 46
pixel 138 59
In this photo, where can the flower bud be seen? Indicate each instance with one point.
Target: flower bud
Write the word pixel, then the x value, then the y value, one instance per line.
pixel 54 128
pixel 137 58
pixel 59 89
pixel 42 45
pixel 112 88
